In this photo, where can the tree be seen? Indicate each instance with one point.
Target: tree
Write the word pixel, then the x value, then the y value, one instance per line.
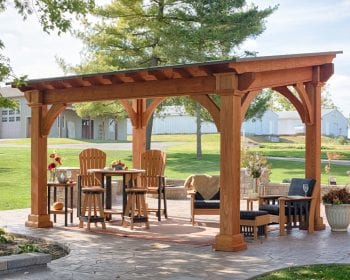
pixel 137 33
pixel 104 110
pixel 52 15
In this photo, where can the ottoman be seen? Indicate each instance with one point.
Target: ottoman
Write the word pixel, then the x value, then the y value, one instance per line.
pixel 254 223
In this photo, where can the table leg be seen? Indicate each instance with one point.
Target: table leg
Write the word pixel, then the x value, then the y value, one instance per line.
pixel 65 205
pixel 48 199
pixel 71 204
pixel 124 194
pixel 108 192
pixel 54 199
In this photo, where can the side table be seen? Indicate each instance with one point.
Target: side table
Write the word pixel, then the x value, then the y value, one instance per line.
pixel 66 210
pixel 250 201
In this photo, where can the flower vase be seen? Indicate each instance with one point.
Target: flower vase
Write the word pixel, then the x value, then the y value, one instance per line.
pixel 53 176
pixel 255 191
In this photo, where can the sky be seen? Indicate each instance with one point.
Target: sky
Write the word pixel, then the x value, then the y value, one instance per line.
pixel 297 26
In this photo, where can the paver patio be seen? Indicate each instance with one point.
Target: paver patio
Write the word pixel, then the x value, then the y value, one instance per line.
pixel 106 256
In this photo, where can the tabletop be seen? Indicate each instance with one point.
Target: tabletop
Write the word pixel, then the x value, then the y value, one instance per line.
pixel 111 171
pixel 57 184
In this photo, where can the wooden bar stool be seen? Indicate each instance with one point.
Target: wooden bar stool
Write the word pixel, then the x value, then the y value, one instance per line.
pixel 92 202
pixel 136 207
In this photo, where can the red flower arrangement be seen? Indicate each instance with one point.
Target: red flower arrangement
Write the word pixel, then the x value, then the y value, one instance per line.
pixel 56 160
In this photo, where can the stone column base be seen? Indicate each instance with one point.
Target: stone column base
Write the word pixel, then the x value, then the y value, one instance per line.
pixel 229 243
pixel 39 221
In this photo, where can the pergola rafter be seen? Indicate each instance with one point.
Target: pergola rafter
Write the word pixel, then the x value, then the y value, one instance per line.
pixel 237 81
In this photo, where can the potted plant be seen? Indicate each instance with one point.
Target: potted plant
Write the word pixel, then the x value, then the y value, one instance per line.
pixel 337 206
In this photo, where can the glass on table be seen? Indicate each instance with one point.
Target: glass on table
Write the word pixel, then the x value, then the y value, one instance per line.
pixel 305 188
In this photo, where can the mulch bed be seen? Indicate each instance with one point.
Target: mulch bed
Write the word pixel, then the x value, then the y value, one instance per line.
pixel 13 241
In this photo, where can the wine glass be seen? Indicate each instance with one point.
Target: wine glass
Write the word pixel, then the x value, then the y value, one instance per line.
pixel 305 188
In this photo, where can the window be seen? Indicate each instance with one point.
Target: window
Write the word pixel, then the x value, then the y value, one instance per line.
pixel 4 119
pixel 4 112
pixel 11 119
pixel 11 112
pixel 18 119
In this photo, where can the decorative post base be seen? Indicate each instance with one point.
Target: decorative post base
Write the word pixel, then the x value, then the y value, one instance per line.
pixel 39 221
pixel 319 225
pixel 229 243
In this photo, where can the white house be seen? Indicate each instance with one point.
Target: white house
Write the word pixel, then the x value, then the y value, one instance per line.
pixel 333 123
pixel 266 125
pixel 16 123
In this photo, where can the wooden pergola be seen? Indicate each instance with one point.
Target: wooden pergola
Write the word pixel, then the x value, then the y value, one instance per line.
pixel 236 81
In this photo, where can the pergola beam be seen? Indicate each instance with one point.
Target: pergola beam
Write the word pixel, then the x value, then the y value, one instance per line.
pixel 164 88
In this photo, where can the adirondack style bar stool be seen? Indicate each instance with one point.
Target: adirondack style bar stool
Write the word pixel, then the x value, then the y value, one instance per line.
pixel 92 208
pixel 153 162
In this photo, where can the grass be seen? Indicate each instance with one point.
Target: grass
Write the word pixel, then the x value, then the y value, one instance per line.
pixel 181 162
pixel 322 271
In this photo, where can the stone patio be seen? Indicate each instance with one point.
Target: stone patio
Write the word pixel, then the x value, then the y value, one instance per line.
pixel 109 256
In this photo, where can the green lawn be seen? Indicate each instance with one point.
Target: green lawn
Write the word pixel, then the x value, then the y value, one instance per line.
pixel 326 272
pixel 181 162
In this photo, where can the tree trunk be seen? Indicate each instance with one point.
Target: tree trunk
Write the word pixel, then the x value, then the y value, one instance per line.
pixel 199 132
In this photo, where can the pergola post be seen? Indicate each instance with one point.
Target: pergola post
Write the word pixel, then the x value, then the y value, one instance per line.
pixel 138 132
pixel 229 238
pixel 38 217
pixel 313 145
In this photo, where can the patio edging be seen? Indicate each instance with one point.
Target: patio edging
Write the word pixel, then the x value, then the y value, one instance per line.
pixel 18 262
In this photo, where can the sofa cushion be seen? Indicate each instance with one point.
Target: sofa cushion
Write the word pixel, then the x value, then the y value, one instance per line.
pixel 250 215
pixel 207 204
pixel 270 208
pixel 274 209
pixel 198 196
pixel 296 186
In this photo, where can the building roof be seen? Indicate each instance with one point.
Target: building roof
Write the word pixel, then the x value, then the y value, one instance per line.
pixel 295 115
pixel 10 92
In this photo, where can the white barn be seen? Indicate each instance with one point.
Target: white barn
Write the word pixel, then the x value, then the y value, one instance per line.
pixel 266 125
pixel 16 123
pixel 289 123
pixel 333 123
pixel 175 120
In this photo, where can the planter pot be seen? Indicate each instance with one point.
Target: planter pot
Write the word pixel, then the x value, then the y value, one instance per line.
pixel 338 216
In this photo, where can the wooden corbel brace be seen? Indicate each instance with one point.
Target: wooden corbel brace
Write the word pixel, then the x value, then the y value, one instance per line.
pixel 50 116
pixel 304 97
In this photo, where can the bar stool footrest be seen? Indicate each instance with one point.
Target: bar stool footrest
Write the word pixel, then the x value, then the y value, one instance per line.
pixel 93 219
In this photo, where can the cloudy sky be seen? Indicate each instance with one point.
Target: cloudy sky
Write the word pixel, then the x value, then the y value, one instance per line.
pixel 298 26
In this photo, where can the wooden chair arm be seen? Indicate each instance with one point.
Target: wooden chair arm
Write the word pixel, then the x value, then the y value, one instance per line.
pixel 272 196
pixel 295 198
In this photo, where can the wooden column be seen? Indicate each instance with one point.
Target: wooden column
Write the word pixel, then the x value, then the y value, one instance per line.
pixel 138 132
pixel 39 216
pixel 313 145
pixel 229 238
